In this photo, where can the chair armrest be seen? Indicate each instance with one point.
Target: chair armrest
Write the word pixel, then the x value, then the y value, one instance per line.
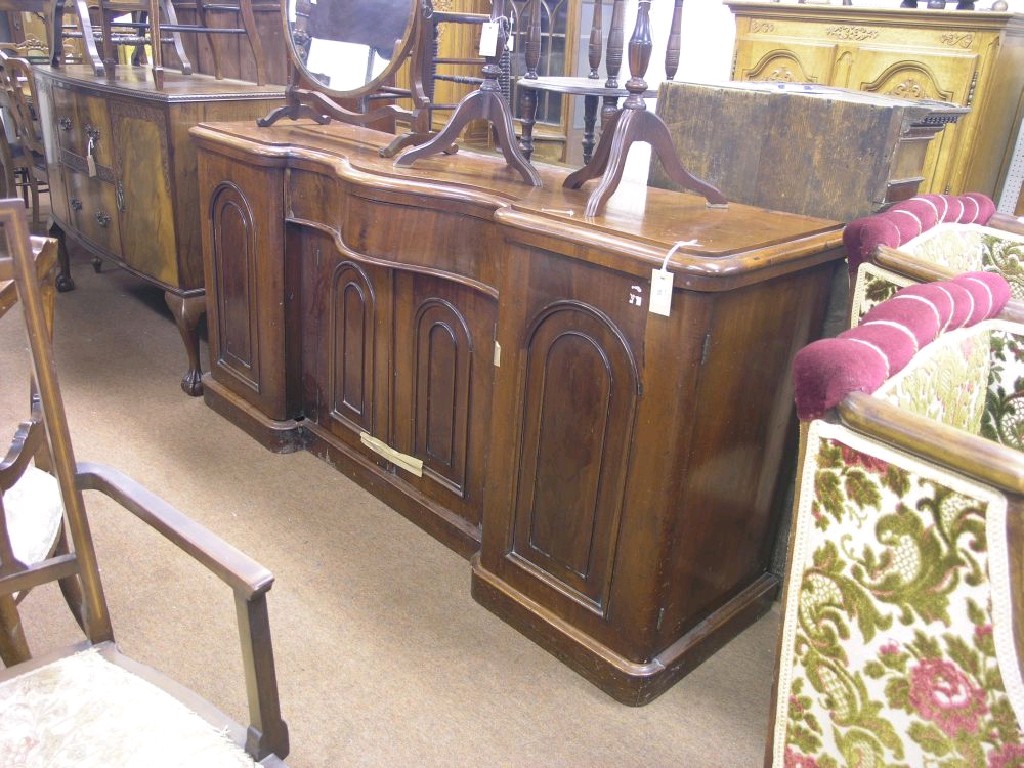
pixel 267 733
pixel 232 566
pixel 958 451
pixel 1007 222
pixel 905 264
pixel 1013 312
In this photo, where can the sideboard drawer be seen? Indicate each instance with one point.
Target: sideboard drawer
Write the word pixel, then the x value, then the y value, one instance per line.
pixel 83 125
pixel 93 206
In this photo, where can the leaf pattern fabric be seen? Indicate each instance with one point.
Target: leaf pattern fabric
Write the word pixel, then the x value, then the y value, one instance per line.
pixel 897 647
pixel 953 246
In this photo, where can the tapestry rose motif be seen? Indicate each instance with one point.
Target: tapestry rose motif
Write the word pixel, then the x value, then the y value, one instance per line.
pixel 892 656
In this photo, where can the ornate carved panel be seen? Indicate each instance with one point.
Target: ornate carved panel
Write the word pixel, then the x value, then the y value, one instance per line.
pixel 580 398
pixel 908 80
pixel 234 268
pixel 442 349
pixel 792 64
pixel 351 343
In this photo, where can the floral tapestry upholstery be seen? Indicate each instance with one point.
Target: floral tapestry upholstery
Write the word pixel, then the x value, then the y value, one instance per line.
pixel 948 381
pixel 1003 419
pixel 874 284
pixel 953 247
pixel 897 646
pixel 968 247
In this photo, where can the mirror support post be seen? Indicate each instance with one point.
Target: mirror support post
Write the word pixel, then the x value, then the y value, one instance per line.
pixel 488 103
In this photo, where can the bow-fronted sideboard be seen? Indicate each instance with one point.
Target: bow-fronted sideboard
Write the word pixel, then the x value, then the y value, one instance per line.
pixel 484 358
pixel 123 173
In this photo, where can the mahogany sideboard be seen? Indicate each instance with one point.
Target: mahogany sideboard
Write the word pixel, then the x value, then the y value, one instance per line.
pixel 483 358
pixel 123 174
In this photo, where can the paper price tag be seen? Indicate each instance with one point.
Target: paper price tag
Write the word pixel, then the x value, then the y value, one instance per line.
pixel 90 161
pixel 489 39
pixel 661 292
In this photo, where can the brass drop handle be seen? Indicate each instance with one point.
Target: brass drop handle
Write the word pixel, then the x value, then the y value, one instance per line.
pixel 64 123
pixel 76 203
pixel 103 219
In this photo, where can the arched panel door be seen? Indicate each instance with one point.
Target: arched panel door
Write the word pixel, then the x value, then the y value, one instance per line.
pixel 580 399
pixel 444 382
pixel 351 346
pixel 234 292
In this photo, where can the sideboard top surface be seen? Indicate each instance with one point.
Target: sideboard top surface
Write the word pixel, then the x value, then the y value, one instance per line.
pixel 138 83
pixel 639 223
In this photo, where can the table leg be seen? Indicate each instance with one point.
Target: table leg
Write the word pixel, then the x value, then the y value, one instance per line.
pixel 589 121
pixel 528 109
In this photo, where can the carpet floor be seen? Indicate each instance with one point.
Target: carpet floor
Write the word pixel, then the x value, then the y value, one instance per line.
pixel 383 657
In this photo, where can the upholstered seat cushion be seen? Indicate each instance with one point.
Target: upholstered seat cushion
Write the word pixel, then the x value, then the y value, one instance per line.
pixel 34 512
pixel 84 711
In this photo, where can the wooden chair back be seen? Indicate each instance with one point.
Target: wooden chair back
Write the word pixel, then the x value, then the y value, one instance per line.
pixel 28 453
pixel 266 736
pixel 19 86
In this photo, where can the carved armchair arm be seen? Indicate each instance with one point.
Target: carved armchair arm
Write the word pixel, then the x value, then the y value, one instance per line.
pixel 250 582
pixel 1007 222
pixel 948 447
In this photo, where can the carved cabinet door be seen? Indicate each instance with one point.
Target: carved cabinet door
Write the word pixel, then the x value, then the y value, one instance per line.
pixel 946 76
pixel 563 447
pixel 444 373
pixel 579 398
pixel 770 60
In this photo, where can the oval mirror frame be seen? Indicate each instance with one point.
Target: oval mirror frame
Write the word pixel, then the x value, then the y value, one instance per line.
pixel 292 8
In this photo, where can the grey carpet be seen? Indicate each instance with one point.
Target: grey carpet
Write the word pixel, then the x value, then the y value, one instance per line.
pixel 383 658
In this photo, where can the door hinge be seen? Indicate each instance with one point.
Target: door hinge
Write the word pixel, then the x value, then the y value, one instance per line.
pixel 705 349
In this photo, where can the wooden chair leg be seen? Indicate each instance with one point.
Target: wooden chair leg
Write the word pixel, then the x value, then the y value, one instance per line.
pixel 33 187
pixel 13 645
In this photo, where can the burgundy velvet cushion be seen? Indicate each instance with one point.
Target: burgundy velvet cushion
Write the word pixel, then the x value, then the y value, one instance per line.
pixel 827 370
pixel 913 313
pixel 862 358
pixel 990 291
pixel 906 220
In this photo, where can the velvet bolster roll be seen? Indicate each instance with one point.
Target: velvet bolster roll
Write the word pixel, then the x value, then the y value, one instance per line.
pixel 862 358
